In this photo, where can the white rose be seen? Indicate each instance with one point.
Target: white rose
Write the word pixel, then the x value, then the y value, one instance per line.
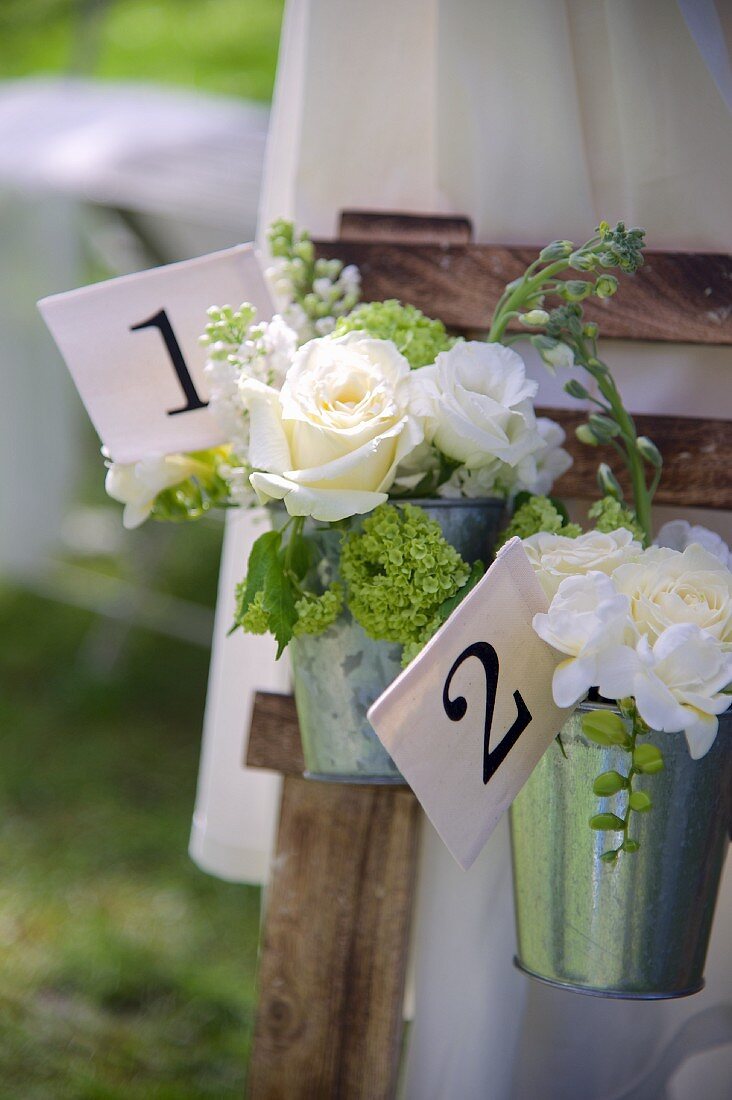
pixel 666 587
pixel 678 534
pixel 555 557
pixel 482 404
pixel 329 443
pixel 138 483
pixel 585 617
pixel 677 682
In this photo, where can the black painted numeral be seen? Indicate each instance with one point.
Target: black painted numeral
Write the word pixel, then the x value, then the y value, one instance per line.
pixel 456 709
pixel 160 321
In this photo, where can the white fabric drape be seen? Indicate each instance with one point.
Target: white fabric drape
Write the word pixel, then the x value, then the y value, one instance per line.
pixel 536 120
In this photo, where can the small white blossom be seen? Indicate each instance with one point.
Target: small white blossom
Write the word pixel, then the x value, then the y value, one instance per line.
pixel 678 534
pixel 677 682
pixel 585 619
pixel 138 483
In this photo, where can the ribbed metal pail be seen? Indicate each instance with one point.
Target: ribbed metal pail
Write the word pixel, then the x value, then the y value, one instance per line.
pixel 337 675
pixel 638 928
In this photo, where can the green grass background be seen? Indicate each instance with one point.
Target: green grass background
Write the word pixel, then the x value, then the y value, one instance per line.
pixel 125 972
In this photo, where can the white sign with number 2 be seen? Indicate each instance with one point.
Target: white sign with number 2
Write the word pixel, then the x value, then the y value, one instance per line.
pixel 469 719
pixel 132 347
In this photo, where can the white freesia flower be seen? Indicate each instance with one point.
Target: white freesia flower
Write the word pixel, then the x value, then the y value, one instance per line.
pixel 558 356
pixel 676 680
pixel 482 404
pixel 678 534
pixel 667 587
pixel 555 557
pixel 329 443
pixel 536 473
pixel 137 484
pixel 585 618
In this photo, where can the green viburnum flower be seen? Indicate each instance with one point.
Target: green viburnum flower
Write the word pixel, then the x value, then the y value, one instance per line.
pixel 253 620
pixel 609 514
pixel 539 513
pixel 420 339
pixel 316 613
pixel 400 571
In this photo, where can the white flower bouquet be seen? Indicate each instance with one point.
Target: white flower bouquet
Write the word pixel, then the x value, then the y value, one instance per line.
pixel 335 411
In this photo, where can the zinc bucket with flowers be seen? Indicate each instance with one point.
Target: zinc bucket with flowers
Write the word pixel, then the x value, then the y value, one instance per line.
pixel 386 450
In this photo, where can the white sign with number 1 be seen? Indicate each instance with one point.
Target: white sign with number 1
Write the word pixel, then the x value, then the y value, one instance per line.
pixel 469 719
pixel 132 347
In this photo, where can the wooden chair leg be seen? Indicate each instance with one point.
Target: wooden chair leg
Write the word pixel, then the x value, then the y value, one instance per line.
pixel 333 961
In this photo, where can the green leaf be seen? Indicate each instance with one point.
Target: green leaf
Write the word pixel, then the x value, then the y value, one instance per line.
pixel 261 557
pixel 610 857
pixel 630 845
pixel 606 822
pixel 604 727
pixel 609 783
pixel 300 554
pixel 648 759
pixel 279 602
pixel 640 802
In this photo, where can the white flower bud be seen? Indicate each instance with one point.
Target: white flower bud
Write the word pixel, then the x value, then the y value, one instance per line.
pixel 534 317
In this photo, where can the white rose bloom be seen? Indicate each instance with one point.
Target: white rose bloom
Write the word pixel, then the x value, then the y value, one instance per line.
pixel 585 618
pixel 555 557
pixel 678 534
pixel 666 587
pixel 482 404
pixel 329 443
pixel 137 484
pixel 677 682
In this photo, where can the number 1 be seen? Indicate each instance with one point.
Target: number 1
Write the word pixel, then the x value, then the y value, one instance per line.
pixel 161 322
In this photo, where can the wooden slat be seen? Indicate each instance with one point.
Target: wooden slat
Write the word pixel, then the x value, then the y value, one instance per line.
pixel 274 739
pixel 697 459
pixel 362 225
pixel 676 296
pixel 333 960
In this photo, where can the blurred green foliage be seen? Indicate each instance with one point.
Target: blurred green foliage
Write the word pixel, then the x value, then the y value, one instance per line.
pixel 226 46
pixel 125 972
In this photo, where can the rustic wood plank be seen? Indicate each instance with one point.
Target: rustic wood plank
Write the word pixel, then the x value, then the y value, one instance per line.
pixel 676 296
pixel 333 959
pixel 274 738
pixel 363 225
pixel 697 459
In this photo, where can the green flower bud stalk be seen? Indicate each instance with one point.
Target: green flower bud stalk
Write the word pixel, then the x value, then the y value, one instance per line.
pixel 648 450
pixel 606 286
pixel 608 482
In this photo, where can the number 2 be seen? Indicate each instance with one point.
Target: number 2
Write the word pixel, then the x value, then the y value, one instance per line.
pixel 161 321
pixel 456 709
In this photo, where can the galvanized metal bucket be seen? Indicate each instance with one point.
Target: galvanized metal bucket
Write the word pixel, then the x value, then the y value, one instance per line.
pixel 638 928
pixel 337 675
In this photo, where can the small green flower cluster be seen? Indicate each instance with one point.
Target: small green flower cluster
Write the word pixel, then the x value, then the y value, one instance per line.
pixel 312 292
pixel 255 619
pixel 420 339
pixel 609 514
pixel 539 513
pixel 316 613
pixel 227 329
pixel 400 570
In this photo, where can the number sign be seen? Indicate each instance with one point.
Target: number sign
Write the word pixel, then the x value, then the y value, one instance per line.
pixel 132 346
pixel 469 719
